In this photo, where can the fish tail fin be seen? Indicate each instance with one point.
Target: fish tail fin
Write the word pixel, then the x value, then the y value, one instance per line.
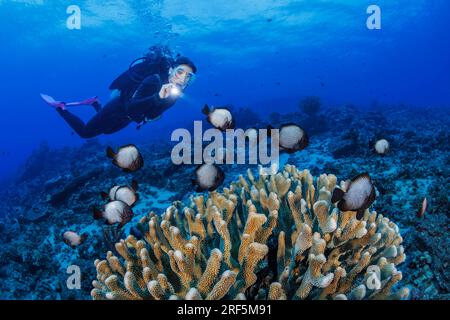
pixel 97 213
pixel 337 195
pixel 206 110
pixel 110 152
pixel 360 214
pixel 104 195
pixel 134 185
pixel 83 237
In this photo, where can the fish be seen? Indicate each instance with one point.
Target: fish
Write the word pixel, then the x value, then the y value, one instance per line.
pixel 73 239
pixel 208 177
pixel 128 158
pixel 381 146
pixel 114 212
pixel 127 194
pixel 423 208
pixel 359 196
pixel 292 138
pixel 219 118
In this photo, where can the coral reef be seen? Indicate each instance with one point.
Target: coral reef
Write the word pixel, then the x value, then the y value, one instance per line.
pixel 33 257
pixel 276 237
pixel 245 117
pixel 310 105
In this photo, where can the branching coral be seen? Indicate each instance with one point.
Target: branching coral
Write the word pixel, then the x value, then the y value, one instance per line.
pixel 271 237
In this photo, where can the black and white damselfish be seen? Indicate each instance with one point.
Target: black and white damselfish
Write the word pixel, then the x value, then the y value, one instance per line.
pixel 125 193
pixel 359 196
pixel 114 212
pixel 128 158
pixel 208 177
pixel 293 138
pixel 220 118
pixel 73 239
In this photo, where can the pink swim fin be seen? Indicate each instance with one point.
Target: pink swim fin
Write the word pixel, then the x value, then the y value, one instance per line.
pixel 86 102
pixel 53 102
pixel 59 104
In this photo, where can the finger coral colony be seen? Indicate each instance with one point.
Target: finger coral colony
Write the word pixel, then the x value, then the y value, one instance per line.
pixel 271 237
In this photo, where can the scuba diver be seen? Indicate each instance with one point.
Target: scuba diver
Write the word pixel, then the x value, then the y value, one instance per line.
pixel 149 87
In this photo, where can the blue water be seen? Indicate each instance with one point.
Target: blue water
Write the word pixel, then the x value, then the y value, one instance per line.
pixel 264 54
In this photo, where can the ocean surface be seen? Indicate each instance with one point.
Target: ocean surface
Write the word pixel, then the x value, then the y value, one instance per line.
pixel 261 58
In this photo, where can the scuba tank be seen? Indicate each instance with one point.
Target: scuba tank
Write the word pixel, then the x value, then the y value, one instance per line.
pixel 158 60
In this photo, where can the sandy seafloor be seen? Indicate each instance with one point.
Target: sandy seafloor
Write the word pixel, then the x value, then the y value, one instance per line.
pixel 56 188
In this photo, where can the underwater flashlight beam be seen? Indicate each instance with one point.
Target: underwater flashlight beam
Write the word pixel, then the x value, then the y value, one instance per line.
pixel 175 91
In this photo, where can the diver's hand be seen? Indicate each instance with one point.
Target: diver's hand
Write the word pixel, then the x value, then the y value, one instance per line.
pixel 164 93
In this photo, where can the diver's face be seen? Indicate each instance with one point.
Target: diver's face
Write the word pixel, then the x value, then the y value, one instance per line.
pixel 181 75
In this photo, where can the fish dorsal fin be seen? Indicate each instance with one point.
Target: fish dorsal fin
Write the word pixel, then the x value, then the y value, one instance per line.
pixel 359 179
pixel 110 152
pixel 206 110
pixel 338 194
pixel 364 175
pixel 131 145
pixel 134 185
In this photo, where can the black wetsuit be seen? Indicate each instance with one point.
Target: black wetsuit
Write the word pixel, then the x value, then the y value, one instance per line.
pixel 138 103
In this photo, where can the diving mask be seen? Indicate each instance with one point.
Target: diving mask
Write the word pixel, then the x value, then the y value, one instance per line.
pixel 184 75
